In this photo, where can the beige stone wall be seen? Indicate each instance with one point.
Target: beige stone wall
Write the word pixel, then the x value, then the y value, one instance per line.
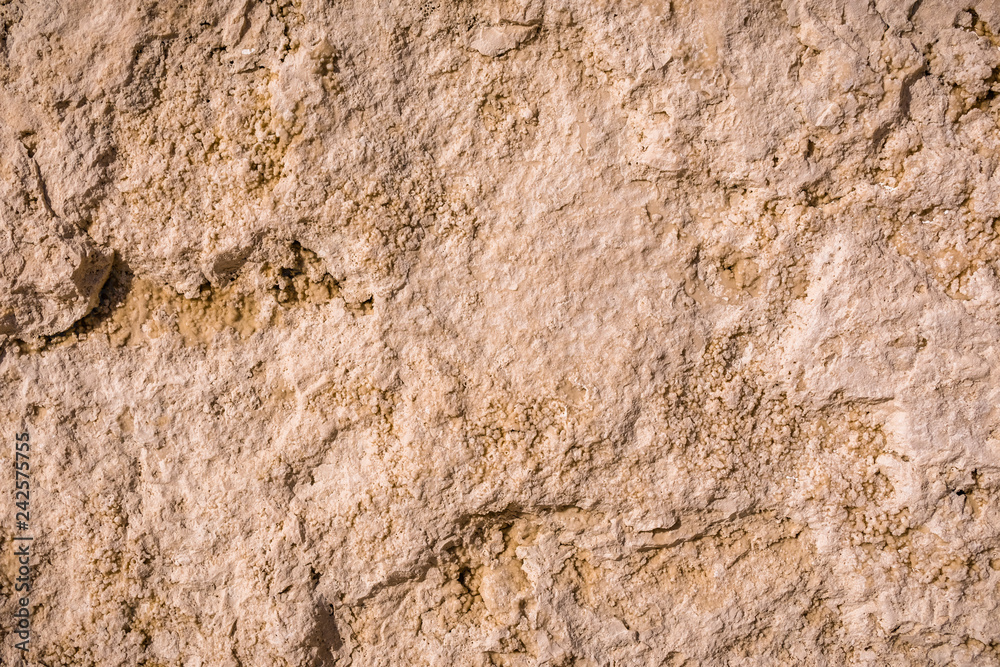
pixel 512 332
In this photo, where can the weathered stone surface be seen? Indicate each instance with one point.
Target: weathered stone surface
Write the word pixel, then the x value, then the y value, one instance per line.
pixel 516 332
pixel 52 273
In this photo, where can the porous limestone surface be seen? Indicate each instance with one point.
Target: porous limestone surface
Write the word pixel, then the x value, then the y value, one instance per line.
pixel 506 332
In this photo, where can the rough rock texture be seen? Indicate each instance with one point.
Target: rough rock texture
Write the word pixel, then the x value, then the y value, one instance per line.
pixel 507 332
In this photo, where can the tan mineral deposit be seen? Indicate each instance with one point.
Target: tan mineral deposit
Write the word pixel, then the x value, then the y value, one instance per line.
pixel 563 333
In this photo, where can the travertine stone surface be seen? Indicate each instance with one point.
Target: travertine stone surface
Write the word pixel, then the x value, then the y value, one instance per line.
pixel 507 332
